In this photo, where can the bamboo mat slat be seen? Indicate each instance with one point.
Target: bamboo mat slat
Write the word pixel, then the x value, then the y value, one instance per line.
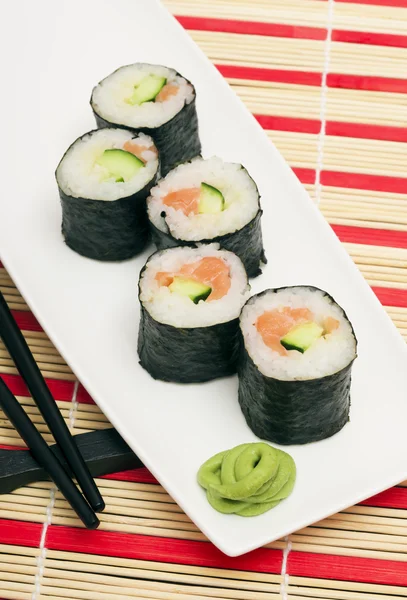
pixel 257 50
pixel 345 105
pixel 336 108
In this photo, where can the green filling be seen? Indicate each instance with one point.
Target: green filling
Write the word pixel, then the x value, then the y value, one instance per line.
pixel 195 290
pixel 301 337
pixel 147 89
pixel 211 200
pixel 119 164
pixel 248 480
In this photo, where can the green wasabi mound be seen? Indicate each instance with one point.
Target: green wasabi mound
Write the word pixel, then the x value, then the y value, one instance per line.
pixel 248 480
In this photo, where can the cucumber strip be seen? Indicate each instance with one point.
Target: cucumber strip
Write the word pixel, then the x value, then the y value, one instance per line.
pixel 120 164
pixel 211 200
pixel 302 336
pixel 195 290
pixel 147 90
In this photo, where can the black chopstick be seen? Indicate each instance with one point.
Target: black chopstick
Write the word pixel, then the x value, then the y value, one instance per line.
pixel 44 456
pixel 21 354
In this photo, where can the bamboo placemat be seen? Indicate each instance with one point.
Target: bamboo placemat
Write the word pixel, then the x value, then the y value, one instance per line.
pixel 326 79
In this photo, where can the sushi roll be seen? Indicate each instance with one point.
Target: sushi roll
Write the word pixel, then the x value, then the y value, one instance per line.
pixel 191 299
pixel 295 366
pixel 204 201
pixel 104 179
pixel 155 100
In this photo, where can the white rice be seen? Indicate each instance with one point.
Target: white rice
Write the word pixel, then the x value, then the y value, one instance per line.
pixel 110 95
pixel 232 180
pixel 179 311
pixel 327 355
pixel 79 176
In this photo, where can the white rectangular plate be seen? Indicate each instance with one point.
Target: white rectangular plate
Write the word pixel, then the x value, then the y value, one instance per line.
pixel 90 309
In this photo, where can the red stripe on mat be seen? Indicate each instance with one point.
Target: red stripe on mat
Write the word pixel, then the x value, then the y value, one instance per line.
pixel 83 397
pixel 18 533
pixel 334 80
pixel 26 320
pixel 371 236
pixel 141 475
pixel 276 75
pixel 5 447
pixel 367 131
pixel 377 183
pixel 361 181
pixel 347 568
pixel 367 37
pixel 60 390
pixel 252 27
pixel 290 31
pixel 141 547
pixel 296 124
pixel 394 3
pixel 169 550
pixel 391 296
pixel 367 82
pixel 305 175
pixel 395 497
pixel 160 549
pixel 337 128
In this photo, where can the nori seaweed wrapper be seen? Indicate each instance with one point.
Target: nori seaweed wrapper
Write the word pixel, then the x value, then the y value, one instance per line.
pixel 177 140
pixel 297 411
pixel 111 230
pixel 246 243
pixel 189 354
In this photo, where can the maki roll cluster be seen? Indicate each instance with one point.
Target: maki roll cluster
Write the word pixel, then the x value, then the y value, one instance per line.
pixel 148 124
pixel 205 201
pixel 153 99
pixel 140 175
pixel 191 299
pixel 295 367
pixel 104 179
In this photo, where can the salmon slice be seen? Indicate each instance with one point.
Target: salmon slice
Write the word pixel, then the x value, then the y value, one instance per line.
pixel 169 90
pixel 330 324
pixel 274 324
pixel 138 149
pixel 164 278
pixel 300 315
pixel 186 200
pixel 210 270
